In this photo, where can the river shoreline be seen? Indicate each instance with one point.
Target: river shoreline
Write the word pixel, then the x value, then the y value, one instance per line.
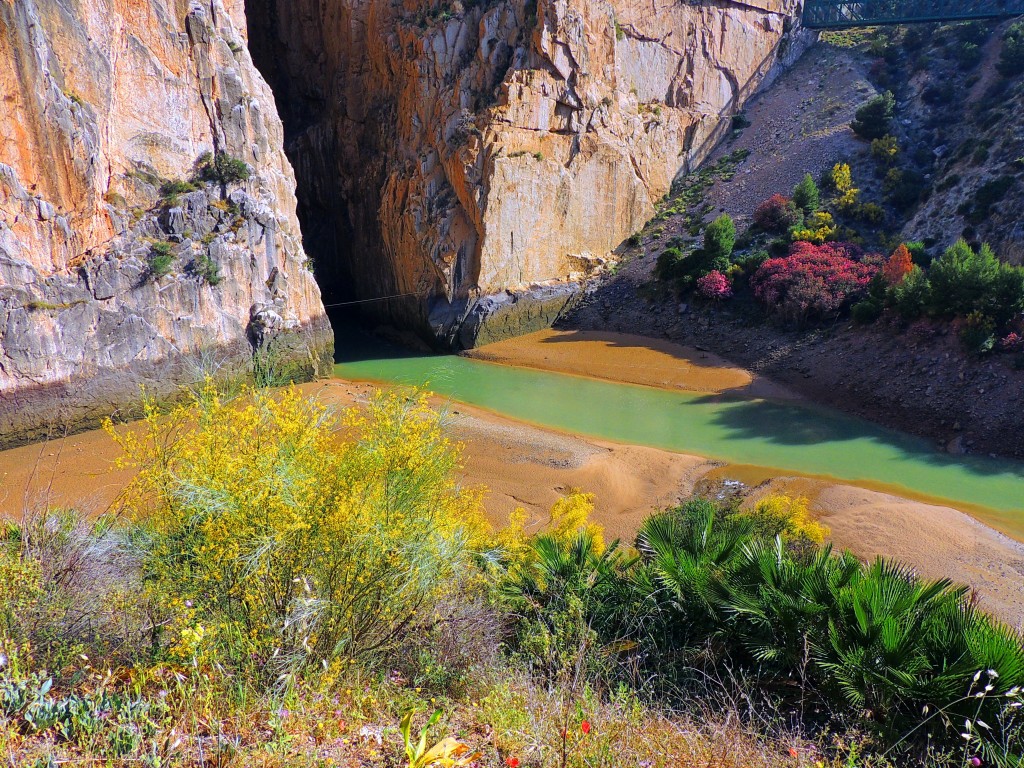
pixel 529 467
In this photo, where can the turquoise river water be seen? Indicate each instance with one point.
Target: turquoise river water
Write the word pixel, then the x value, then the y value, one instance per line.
pixel 786 437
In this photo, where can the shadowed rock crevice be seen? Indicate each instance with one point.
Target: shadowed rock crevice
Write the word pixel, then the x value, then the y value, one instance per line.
pixel 472 159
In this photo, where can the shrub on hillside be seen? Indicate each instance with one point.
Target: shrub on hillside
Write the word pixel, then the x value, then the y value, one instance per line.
pixel 670 264
pixel 912 296
pixel 903 187
pixel 719 239
pixel 872 120
pixel 964 281
pixel 1011 57
pixel 885 151
pixel 840 179
pixel 898 266
pixel 276 546
pixel 714 286
pixel 814 281
pixel 778 214
pixel 817 228
pixel 685 269
pixel 806 195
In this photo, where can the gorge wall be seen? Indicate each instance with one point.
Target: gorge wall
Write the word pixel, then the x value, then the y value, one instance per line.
pixel 105 101
pixel 477 159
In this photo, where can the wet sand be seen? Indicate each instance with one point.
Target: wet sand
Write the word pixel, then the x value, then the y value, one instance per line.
pixel 625 358
pixel 530 467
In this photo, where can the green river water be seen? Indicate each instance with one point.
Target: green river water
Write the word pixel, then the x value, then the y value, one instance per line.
pixel 786 437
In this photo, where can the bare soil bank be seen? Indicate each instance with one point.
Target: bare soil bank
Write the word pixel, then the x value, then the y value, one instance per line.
pixel 529 467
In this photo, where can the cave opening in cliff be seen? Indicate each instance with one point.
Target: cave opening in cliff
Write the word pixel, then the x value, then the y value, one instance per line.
pixel 287 53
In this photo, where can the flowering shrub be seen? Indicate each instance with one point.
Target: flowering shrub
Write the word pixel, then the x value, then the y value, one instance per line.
pixel 898 266
pixel 1011 342
pixel 714 286
pixel 291 546
pixel 817 228
pixel 814 280
pixel 777 214
pixel 841 179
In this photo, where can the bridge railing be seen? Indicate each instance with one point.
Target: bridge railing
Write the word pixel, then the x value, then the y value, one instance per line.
pixel 832 14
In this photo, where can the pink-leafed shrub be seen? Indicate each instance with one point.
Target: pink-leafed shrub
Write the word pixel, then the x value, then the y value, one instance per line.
pixel 714 286
pixel 814 280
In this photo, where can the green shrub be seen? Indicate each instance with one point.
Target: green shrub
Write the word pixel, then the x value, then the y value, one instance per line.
pixel 670 264
pixel 207 269
pixel 1011 57
pixel 806 196
pixel 873 118
pixel 170 190
pixel 719 239
pixel 911 297
pixel 221 168
pixel 919 253
pixel 867 311
pixel 160 260
pixel 964 282
pixel 903 188
pixel 978 333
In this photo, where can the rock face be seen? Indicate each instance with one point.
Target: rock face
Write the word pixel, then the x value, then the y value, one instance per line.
pixel 469 156
pixel 105 101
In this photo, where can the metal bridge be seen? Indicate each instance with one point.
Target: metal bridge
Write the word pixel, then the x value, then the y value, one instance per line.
pixel 837 14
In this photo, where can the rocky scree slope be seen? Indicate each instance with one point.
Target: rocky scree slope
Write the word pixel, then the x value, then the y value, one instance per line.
pixel 104 102
pixel 477 159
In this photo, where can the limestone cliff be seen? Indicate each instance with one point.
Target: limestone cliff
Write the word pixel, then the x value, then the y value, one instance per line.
pixel 464 155
pixel 110 276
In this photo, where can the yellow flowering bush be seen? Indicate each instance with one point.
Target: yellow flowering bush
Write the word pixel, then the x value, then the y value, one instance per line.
pixel 818 227
pixel 841 179
pixel 571 514
pixel 294 537
pixel 790 516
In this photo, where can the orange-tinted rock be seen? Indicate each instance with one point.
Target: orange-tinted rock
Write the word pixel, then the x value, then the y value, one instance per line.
pixel 474 149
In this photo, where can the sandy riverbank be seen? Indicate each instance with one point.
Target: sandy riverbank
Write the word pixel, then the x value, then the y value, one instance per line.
pixel 529 467
pixel 625 358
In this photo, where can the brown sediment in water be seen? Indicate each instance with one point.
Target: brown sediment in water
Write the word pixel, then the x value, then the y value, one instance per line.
pixel 530 467
pixel 630 359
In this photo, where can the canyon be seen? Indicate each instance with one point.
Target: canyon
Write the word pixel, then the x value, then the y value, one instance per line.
pixel 470 163
pixel 477 161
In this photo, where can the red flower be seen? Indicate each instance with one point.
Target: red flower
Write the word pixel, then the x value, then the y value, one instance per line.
pixel 585 727
pixel 793 752
pixel 512 762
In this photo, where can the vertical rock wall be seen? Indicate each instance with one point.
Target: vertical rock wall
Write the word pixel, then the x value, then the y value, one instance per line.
pixel 478 158
pixel 105 101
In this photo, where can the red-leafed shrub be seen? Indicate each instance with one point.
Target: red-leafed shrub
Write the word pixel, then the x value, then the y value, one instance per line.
pixel 714 286
pixel 814 280
pixel 777 214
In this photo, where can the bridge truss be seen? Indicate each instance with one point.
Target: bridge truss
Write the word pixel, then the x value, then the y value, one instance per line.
pixel 838 14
